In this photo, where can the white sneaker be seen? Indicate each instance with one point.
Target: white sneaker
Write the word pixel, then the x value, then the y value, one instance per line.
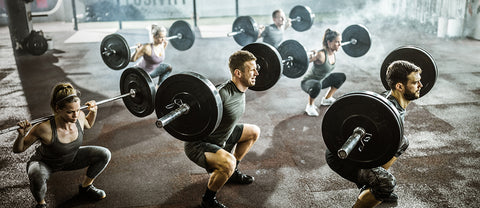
pixel 328 101
pixel 311 111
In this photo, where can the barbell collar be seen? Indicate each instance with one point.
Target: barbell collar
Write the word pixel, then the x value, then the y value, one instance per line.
pixel 349 145
pixel 235 33
pixel 166 119
pixel 108 51
pixel 288 59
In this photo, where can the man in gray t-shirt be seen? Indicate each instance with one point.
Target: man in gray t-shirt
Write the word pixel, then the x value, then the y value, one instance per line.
pixel 214 152
pixel 273 34
pixel 377 183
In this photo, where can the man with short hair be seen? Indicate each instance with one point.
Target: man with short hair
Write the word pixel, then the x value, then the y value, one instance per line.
pixel 214 151
pixel 377 184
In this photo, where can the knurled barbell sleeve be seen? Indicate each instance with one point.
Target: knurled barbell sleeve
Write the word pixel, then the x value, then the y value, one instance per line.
pixel 346 149
pixel 166 119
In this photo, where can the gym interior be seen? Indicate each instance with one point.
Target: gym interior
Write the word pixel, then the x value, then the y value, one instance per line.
pixel 148 167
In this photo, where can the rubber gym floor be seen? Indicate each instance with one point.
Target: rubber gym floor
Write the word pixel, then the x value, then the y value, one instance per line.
pixel 148 166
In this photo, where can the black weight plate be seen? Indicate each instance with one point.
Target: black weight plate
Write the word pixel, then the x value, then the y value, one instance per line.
pixel 188 36
pixel 142 104
pixel 299 65
pixel 115 51
pixel 250 28
pixel 270 65
pixel 359 33
pixel 306 18
pixel 372 112
pixel 35 43
pixel 417 56
pixel 201 95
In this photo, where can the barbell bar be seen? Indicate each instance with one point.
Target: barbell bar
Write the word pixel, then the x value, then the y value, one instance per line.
pixel 45 118
pixel 245 29
pixel 116 54
pixel 179 36
pixel 138 91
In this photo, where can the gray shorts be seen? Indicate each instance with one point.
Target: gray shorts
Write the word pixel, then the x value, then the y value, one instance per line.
pixel 195 151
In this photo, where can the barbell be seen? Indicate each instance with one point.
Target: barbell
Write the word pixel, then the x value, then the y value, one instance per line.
pixel 137 91
pixel 292 59
pixel 365 128
pixel 115 50
pixel 296 58
pixel 245 29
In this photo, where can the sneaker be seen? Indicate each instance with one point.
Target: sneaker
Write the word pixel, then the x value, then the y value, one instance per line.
pixel 41 206
pixel 240 178
pixel 91 192
pixel 211 203
pixel 393 198
pixel 328 101
pixel 310 110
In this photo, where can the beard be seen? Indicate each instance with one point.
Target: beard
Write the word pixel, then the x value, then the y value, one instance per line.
pixel 410 95
pixel 246 82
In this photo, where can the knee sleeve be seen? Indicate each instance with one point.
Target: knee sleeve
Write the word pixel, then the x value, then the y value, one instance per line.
pixel 381 182
pixel 339 80
pixel 312 87
pixel 99 161
pixel 38 175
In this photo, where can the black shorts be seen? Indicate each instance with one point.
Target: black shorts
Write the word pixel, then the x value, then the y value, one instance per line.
pixel 343 168
pixel 195 151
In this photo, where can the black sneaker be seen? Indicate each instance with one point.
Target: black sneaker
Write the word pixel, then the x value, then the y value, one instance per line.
pixel 240 178
pixel 91 192
pixel 41 206
pixel 211 203
pixel 393 198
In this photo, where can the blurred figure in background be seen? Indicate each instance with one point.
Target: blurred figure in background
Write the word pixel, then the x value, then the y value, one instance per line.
pixel 320 75
pixel 273 33
pixel 153 55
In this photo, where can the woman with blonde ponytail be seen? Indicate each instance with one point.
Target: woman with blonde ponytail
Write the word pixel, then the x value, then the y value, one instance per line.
pixel 60 145
pixel 153 54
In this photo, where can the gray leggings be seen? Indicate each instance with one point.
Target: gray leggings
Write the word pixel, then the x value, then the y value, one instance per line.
pixel 94 157
pixel 162 72
pixel 313 86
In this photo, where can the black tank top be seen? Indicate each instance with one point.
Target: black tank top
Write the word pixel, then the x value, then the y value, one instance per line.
pixel 57 154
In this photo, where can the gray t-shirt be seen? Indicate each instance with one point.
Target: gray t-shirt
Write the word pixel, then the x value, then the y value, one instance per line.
pixel 272 35
pixel 404 143
pixel 233 101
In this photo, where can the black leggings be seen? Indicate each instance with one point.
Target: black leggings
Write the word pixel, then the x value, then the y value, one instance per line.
pixel 313 86
pixel 94 157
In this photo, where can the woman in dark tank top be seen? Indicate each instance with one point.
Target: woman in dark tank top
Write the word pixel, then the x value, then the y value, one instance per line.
pixel 60 149
pixel 320 75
